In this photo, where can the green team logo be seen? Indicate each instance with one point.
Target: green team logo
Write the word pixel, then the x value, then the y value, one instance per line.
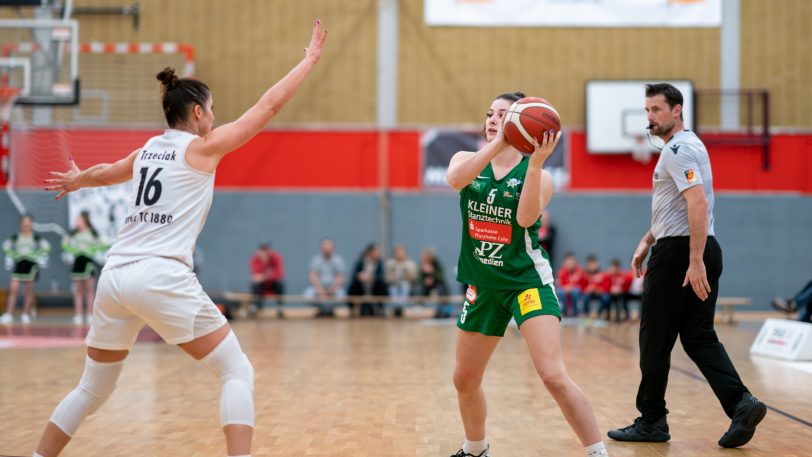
pixel 475 185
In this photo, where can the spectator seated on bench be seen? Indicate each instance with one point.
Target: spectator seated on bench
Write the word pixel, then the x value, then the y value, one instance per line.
pixel 326 277
pixel 367 280
pixel 267 274
pixel 801 301
pixel 401 275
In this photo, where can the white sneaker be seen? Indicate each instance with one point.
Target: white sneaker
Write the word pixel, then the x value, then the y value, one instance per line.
pixel 25 319
pixel 77 319
pixel 6 319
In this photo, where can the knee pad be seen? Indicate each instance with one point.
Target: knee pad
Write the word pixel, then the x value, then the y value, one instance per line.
pixel 229 363
pixel 97 384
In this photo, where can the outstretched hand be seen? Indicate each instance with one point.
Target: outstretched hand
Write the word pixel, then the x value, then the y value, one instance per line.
pixel 63 182
pixel 313 50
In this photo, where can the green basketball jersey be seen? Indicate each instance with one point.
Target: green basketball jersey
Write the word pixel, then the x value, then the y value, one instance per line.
pixel 496 251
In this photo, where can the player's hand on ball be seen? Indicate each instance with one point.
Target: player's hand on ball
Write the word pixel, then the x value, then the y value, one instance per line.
pixel 313 50
pixel 545 148
pixel 63 182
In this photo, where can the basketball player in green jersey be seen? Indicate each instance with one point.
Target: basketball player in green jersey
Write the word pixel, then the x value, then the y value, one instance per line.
pixel 502 194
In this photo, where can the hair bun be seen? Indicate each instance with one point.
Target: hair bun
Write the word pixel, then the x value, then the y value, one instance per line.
pixel 169 80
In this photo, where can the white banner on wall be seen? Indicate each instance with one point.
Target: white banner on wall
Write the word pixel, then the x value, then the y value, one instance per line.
pixel 574 13
pixel 107 207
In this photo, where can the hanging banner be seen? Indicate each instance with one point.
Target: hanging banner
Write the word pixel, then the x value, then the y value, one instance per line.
pixel 574 13
pixel 106 206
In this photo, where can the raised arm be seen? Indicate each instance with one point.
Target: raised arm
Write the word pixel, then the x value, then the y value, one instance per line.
pixel 229 137
pixel 466 165
pixel 537 189
pixel 103 174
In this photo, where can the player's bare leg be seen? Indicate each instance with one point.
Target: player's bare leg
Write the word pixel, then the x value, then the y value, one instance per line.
pixel 474 350
pixel 543 337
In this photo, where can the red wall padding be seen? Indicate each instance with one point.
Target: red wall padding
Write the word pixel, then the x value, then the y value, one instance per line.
pixel 273 159
pixel 319 160
pixel 735 168
pixel 322 159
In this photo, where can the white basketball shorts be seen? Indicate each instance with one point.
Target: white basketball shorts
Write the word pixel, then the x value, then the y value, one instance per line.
pixel 157 291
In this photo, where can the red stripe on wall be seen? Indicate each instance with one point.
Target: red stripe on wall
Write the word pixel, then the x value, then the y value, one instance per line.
pixel 735 168
pixel 321 159
pixel 273 159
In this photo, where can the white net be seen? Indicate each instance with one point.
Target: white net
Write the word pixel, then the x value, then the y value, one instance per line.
pixel 119 109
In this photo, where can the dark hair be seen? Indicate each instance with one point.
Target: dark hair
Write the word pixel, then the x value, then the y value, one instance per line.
pixel 179 95
pixel 672 95
pixel 591 258
pixel 615 263
pixel 369 248
pixel 86 216
pixel 512 97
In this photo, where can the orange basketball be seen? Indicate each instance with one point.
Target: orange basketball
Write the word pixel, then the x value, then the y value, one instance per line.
pixel 529 118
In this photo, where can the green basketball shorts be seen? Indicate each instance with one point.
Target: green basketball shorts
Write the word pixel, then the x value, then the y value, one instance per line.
pixel 488 311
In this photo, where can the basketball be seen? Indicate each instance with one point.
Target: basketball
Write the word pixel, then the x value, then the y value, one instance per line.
pixel 529 118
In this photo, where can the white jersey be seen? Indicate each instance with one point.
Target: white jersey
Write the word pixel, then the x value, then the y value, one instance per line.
pixel 169 203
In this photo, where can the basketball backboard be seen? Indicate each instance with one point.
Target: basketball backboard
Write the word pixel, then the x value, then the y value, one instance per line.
pixel 616 115
pixel 41 57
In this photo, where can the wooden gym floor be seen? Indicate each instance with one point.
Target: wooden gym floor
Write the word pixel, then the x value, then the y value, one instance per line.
pixel 374 387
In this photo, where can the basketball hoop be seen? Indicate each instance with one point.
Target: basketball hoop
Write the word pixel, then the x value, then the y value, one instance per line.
pixel 641 150
pixel 8 95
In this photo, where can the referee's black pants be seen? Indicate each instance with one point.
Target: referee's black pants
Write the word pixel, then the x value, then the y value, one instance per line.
pixel 668 310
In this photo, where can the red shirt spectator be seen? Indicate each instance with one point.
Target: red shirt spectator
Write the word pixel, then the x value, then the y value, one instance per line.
pixel 267 271
pixel 619 281
pixel 595 281
pixel 571 276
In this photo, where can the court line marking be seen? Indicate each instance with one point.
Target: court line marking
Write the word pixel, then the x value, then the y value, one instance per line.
pixel 626 347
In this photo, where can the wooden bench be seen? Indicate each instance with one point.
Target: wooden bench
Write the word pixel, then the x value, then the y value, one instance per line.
pixel 728 305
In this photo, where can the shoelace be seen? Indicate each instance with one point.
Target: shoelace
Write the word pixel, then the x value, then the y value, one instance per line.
pixel 633 426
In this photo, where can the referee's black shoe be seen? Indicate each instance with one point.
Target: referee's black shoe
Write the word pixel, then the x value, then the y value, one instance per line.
pixel 749 412
pixel 642 430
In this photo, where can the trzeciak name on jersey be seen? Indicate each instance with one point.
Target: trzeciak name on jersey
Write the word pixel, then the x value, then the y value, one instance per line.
pixel 166 155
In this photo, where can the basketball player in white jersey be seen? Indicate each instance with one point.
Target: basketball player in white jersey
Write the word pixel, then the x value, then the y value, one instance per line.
pixel 148 276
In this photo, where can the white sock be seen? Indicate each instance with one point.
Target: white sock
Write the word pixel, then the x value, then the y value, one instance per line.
pixel 596 450
pixel 246 455
pixel 475 447
pixel 36 454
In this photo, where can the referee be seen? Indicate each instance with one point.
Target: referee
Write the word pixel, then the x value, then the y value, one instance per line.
pixel 681 282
